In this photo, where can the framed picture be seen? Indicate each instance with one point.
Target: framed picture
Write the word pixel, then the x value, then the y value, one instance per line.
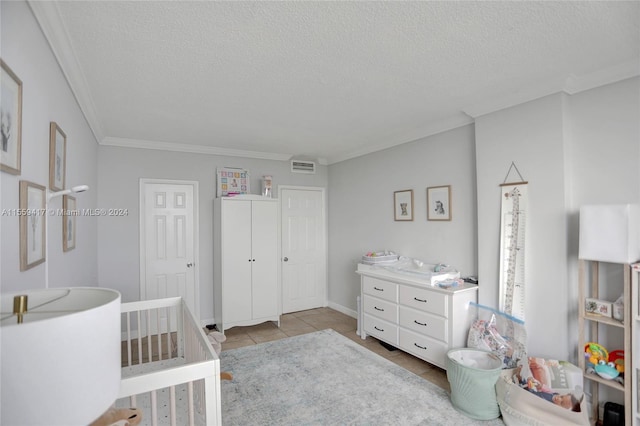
pixel 10 120
pixel 69 213
pixel 403 205
pixel 439 202
pixel 232 181
pixel 32 224
pixel 57 157
pixel 598 307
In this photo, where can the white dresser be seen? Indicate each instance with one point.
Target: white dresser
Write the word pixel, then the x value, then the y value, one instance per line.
pixel 409 313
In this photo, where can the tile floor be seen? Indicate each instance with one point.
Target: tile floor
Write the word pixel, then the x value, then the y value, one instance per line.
pixel 312 320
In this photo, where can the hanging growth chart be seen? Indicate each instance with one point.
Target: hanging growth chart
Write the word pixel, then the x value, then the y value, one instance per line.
pixel 512 242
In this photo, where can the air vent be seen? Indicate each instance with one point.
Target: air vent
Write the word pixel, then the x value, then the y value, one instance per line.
pixel 298 166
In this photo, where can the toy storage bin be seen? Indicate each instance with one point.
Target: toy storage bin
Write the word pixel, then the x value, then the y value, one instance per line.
pixel 520 407
pixel 472 374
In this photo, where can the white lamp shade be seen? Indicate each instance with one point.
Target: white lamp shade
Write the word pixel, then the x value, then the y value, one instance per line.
pixel 610 233
pixel 61 366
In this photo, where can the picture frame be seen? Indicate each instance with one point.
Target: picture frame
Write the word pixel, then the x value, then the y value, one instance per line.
pixel 403 205
pixel 598 307
pixel 69 213
pixel 57 157
pixel 439 203
pixel 32 224
pixel 233 181
pixel 10 120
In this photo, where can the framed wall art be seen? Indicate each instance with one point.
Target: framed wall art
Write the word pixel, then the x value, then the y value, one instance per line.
pixel 439 203
pixel 232 181
pixel 403 205
pixel 10 120
pixel 32 224
pixel 57 157
pixel 69 222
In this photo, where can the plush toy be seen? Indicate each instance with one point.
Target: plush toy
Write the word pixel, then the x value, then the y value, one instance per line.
pixel 119 417
pixel 216 338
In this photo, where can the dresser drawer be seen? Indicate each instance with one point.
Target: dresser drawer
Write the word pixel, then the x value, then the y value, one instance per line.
pixel 423 347
pixel 424 323
pixel 424 300
pixel 381 308
pixel 381 329
pixel 382 289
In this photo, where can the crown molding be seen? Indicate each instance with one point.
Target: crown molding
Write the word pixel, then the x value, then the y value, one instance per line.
pixel 576 84
pixel 193 149
pixel 431 130
pixel 48 16
pixel 572 85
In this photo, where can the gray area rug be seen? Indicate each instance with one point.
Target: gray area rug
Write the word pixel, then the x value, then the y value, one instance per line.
pixel 323 378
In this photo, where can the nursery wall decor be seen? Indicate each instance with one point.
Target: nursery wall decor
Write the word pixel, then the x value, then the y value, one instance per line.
pixel 513 213
pixel 232 181
pixel 32 224
pixel 10 120
pixel 439 202
pixel 403 205
pixel 69 222
pixel 57 157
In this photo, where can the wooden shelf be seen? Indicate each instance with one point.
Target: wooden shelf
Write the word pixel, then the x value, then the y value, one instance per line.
pixel 589 287
pixel 607 382
pixel 604 320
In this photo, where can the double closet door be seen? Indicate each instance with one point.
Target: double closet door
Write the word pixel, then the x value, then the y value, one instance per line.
pixel 246 260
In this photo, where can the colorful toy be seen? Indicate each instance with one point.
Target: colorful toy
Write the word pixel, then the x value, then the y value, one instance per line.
pixel 594 353
pixel 606 370
pixel 607 365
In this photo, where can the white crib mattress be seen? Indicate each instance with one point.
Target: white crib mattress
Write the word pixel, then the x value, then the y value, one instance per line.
pixel 163 396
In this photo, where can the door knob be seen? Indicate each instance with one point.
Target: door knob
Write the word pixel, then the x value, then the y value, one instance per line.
pixel 189 265
pixel 286 259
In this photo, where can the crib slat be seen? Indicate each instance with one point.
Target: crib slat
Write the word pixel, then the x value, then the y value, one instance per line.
pixel 140 331
pixel 158 333
pixel 149 345
pixel 172 405
pixel 129 351
pixel 154 408
pixel 190 397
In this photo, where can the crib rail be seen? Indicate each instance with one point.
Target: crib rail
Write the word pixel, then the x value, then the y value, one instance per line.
pixel 164 352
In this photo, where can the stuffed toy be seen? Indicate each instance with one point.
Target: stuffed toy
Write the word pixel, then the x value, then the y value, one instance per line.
pixel 216 338
pixel 119 417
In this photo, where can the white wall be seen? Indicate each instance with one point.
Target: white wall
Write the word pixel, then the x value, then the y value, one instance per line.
pixel 120 170
pixel 573 150
pixel 532 136
pixel 46 97
pixel 361 208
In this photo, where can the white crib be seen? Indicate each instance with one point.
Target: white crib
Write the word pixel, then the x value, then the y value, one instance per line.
pixel 170 371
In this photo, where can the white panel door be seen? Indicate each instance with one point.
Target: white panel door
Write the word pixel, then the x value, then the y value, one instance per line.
pixel 168 254
pixel 236 262
pixel 304 264
pixel 264 225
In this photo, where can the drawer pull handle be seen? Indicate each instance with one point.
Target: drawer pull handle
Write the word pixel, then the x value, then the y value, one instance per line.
pixel 378 309
pixel 421 347
pixel 379 289
pixel 420 300
pixel 419 323
pixel 379 329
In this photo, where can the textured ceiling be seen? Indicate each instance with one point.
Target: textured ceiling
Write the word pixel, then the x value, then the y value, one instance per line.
pixel 324 80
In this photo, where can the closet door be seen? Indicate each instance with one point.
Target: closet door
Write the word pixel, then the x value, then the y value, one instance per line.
pixel 264 226
pixel 237 260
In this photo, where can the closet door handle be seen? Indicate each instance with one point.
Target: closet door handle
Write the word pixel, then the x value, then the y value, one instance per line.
pixel 286 259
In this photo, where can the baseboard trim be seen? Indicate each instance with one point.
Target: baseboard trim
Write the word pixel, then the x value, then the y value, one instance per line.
pixel 343 309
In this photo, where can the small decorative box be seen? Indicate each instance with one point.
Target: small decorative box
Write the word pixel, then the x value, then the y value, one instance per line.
pixel 598 307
